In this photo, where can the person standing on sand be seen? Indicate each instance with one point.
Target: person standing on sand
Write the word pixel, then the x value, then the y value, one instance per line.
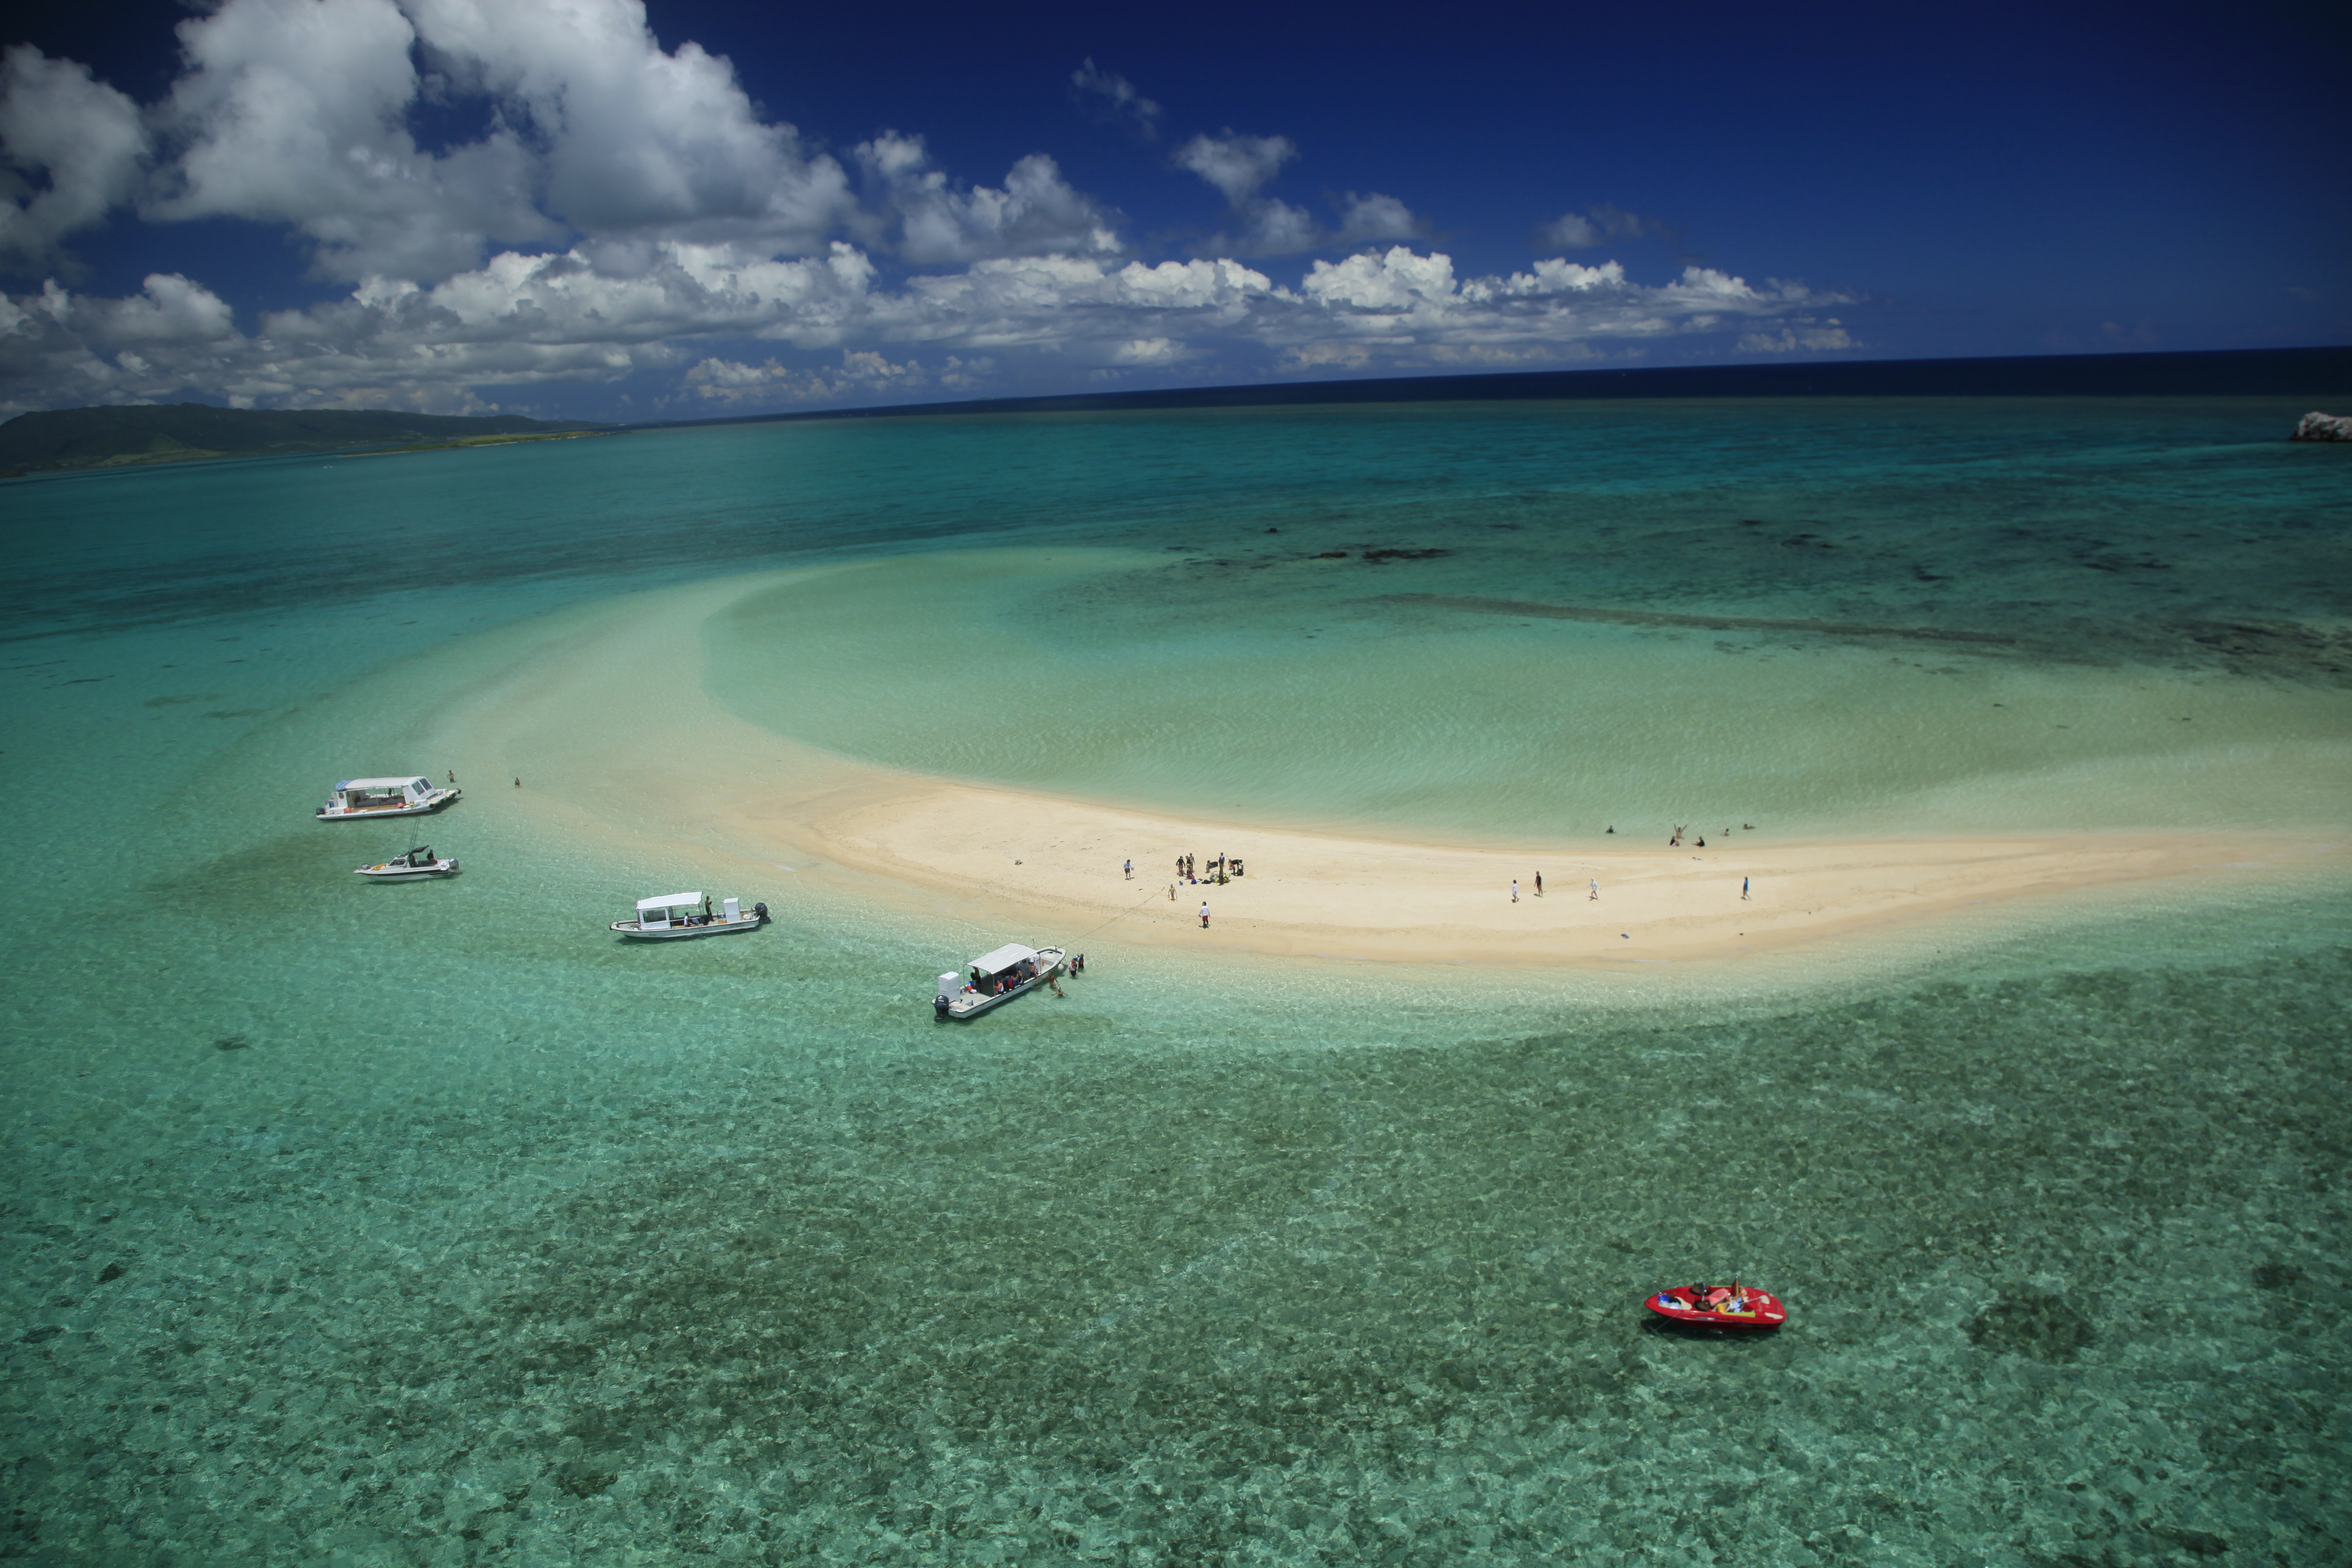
pixel 1515 889
pixel 1204 917
pixel 1596 888
pixel 1743 886
pixel 1171 892
pixel 1540 884
pixel 1129 869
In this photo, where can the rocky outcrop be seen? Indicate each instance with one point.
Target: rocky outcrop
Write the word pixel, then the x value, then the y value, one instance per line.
pixel 2318 427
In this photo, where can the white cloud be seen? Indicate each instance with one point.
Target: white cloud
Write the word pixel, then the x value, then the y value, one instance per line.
pixel 1238 166
pixel 292 112
pixel 60 126
pixel 623 215
pixel 1802 338
pixel 1271 226
pixel 637 138
pixel 1142 352
pixel 1035 213
pixel 1234 164
pixel 1571 231
pixel 1373 217
pixel 683 314
pixel 1583 231
pixel 167 309
pixel 1275 228
pixel 297 112
pixel 1114 98
pixel 861 374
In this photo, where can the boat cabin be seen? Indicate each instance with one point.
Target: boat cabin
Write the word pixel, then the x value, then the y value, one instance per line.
pixel 675 911
pixel 1008 966
pixel 401 795
pixel 377 795
pixel 674 915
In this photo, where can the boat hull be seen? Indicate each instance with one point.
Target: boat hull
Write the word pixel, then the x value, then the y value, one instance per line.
pixel 679 933
pixel 408 873
pixel 1764 1310
pixel 440 799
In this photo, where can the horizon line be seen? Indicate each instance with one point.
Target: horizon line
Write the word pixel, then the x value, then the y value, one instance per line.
pixel 2257 374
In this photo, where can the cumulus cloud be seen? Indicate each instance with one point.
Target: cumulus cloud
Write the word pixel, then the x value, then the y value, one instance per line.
pixel 685 313
pixel 636 139
pixel 1036 213
pixel 298 112
pixel 292 111
pixel 1585 230
pixel 1112 97
pixel 1234 164
pixel 623 215
pixel 1240 166
pixel 168 310
pixel 1373 217
pixel 1805 336
pixel 861 374
pixel 71 149
pixel 1271 226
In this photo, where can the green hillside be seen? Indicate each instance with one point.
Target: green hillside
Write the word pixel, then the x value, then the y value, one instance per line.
pixel 184 432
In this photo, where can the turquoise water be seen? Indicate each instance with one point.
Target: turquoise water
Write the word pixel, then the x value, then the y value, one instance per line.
pixel 425 1224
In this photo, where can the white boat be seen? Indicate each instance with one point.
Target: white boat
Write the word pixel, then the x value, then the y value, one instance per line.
pixel 675 915
pixel 414 867
pixel 356 798
pixel 995 978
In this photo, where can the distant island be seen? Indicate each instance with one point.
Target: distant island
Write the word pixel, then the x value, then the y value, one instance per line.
pixel 125 434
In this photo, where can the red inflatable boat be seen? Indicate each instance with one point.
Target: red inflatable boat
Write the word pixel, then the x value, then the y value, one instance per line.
pixel 1720 1306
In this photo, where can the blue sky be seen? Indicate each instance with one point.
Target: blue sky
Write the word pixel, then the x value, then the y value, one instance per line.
pixel 597 208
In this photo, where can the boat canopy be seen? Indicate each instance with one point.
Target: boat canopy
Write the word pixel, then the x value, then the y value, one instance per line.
pixel 669 901
pixel 407 781
pixel 1004 958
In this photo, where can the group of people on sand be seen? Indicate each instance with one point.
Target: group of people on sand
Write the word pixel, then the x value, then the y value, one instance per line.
pixel 1188 869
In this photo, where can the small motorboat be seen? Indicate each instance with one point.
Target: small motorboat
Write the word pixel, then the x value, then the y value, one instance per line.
pixel 994 979
pixel 1732 1306
pixel 408 796
pixel 414 867
pixel 675 915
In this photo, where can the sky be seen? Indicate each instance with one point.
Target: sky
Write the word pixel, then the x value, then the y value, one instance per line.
pixel 606 209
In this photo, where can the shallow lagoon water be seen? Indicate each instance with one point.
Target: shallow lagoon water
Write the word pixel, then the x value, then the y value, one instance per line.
pixel 424 1224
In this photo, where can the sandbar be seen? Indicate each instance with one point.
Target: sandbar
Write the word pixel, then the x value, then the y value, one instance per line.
pixel 602 713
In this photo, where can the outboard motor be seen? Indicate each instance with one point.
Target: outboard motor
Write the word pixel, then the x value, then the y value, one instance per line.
pixel 760 910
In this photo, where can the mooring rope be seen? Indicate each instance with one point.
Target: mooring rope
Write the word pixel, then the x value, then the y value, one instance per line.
pixel 1121 915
